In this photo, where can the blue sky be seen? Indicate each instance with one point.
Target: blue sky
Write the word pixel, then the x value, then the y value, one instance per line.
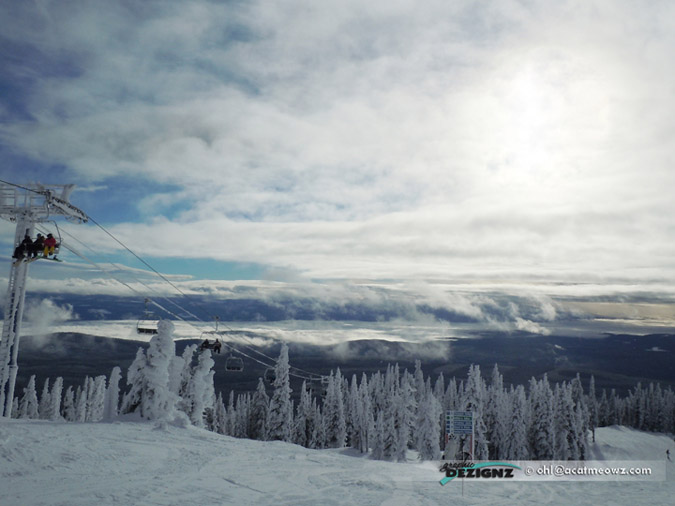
pixel 454 148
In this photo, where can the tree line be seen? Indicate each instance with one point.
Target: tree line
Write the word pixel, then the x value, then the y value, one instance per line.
pixel 384 414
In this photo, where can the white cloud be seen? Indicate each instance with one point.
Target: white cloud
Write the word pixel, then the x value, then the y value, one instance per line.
pixel 380 140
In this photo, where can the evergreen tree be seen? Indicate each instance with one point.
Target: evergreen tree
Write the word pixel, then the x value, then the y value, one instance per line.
pixel 181 379
pixel 28 406
pixel 378 437
pixel 494 417
pixel 157 400
pixel 243 416
pixel 352 414
pixel 517 447
pixel 366 420
pixel 281 414
pixel 220 415
pixel 581 417
pixel 260 409
pixel 566 447
pixel 201 390
pixel 69 413
pixel 55 408
pixel 231 415
pixel 474 394
pixel 112 395
pixel 407 412
pixel 96 399
pixel 45 403
pixel 81 402
pixel 593 409
pixel 428 426
pixel 137 381
pixel 541 434
pixel 333 412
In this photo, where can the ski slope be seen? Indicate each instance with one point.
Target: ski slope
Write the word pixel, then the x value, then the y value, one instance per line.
pixel 135 463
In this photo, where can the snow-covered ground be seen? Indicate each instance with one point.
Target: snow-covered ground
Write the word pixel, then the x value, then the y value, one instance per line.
pixel 134 463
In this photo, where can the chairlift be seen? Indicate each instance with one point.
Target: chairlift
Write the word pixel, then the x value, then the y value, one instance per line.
pixel 234 364
pixel 270 375
pixel 33 255
pixel 148 323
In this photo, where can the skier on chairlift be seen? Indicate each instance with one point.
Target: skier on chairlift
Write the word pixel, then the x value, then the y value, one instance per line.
pixel 217 346
pixel 50 245
pixel 206 345
pixel 38 246
pixel 24 249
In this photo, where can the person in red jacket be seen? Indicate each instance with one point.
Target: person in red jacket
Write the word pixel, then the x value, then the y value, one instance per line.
pixel 50 244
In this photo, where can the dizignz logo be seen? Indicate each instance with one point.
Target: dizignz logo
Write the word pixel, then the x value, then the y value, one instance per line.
pixel 480 470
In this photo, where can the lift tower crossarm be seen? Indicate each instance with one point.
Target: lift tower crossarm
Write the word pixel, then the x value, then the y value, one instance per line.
pixel 25 206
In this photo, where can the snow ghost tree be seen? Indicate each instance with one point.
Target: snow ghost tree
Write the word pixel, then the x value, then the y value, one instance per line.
pixel 136 379
pixel 112 395
pixel 158 401
pixel 202 393
pixel 28 408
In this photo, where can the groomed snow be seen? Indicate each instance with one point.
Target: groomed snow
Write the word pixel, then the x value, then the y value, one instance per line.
pixel 135 463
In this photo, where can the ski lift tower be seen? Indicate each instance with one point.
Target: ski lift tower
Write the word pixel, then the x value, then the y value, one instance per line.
pixel 25 206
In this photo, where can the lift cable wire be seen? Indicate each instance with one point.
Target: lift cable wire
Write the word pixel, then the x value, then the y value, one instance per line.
pixel 134 254
pixel 121 268
pixel 308 376
pixel 180 291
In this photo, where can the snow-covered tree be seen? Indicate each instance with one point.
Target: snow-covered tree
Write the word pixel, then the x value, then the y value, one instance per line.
pixel 428 426
pixel 378 437
pixel 28 406
pixel 96 399
pixel 593 409
pixel 137 381
pixel 69 413
pixel 495 417
pixel 566 447
pixel 55 408
pixel 517 445
pixel 112 395
pixel 474 394
pixel 202 393
pixel 81 401
pixel 220 425
pixel 281 414
pixel 45 403
pixel 260 410
pixel 158 401
pixel 333 412
pixel 541 434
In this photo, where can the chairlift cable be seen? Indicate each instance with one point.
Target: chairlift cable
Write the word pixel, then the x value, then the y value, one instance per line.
pixel 311 377
pixel 134 254
pixel 137 279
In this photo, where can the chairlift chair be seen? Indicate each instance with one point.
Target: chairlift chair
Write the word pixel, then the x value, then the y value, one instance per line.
pixel 148 323
pixel 234 364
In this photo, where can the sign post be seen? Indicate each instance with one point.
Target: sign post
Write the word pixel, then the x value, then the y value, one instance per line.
pixel 460 423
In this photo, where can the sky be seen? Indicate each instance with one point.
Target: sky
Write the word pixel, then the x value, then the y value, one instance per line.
pixel 446 151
